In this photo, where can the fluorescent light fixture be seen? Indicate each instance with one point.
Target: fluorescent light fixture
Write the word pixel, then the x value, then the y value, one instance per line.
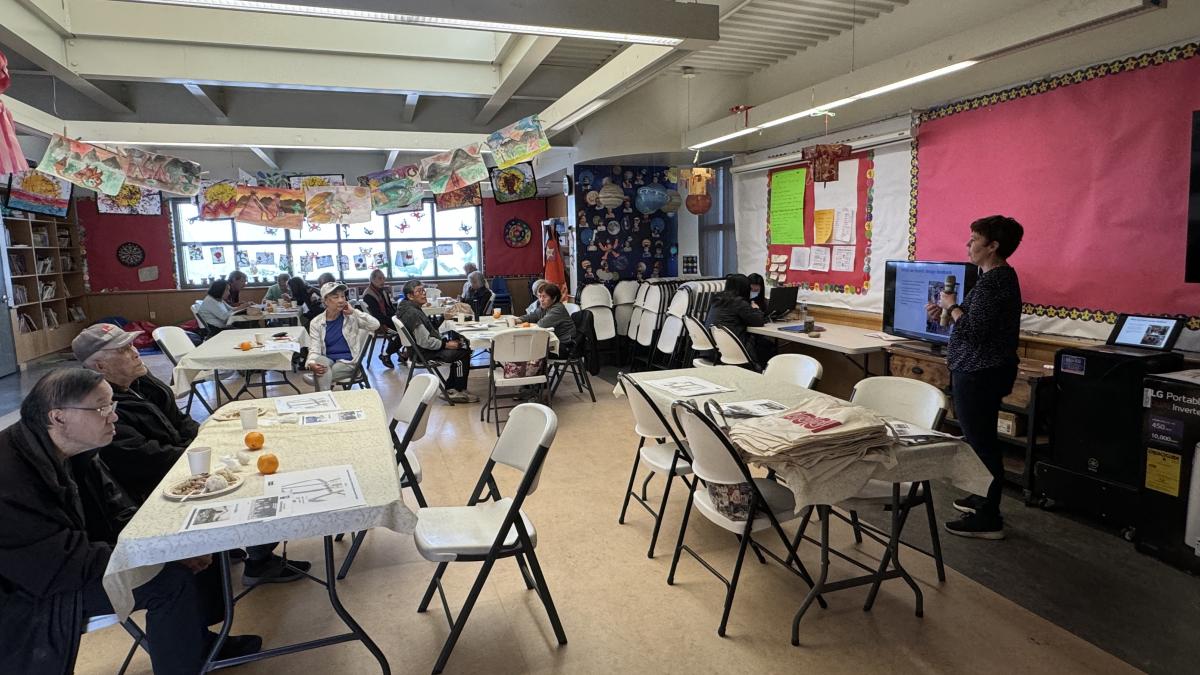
pixel 810 111
pixel 416 20
pixel 918 78
pixel 722 139
pixel 579 114
pixel 249 146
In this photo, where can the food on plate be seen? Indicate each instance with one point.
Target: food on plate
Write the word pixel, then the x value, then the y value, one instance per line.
pixel 254 440
pixel 205 483
pixel 245 346
pixel 215 482
pixel 268 464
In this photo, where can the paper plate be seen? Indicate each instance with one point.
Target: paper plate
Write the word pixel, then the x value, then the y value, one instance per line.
pixel 178 491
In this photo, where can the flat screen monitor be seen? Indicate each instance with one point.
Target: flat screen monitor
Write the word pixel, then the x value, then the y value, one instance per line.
pixel 782 300
pixel 1156 333
pixel 909 285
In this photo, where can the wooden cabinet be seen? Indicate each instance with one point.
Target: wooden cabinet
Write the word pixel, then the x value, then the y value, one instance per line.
pixel 1030 403
pixel 45 266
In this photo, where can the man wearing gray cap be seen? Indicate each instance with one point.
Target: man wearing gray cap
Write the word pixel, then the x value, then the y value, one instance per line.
pixel 336 336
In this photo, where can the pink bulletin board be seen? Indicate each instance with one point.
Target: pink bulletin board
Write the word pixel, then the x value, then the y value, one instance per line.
pixel 1094 164
pixel 853 282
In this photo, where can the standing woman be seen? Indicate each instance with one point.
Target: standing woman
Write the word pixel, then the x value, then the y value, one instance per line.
pixel 378 298
pixel 982 358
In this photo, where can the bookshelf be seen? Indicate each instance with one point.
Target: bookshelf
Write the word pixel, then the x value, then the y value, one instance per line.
pixel 45 266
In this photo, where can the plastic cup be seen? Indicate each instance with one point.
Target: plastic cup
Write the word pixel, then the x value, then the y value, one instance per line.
pixel 496 313
pixel 260 338
pixel 199 460
pixel 249 418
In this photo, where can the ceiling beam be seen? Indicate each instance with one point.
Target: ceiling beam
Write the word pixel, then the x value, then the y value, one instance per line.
pixel 104 59
pixel 621 74
pixel 767 15
pixel 526 55
pixel 410 108
pixel 27 33
pixel 31 120
pixel 207 102
pixel 267 157
pixel 805 10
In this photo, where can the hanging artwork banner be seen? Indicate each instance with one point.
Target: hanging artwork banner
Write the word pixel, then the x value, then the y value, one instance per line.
pixel 270 207
pixel 395 190
pixel 131 200
pixel 160 172
pixel 518 142
pixel 347 205
pixel 471 195
pixel 38 192
pixel 513 184
pixel 83 164
pixel 218 200
pixel 305 181
pixel 454 169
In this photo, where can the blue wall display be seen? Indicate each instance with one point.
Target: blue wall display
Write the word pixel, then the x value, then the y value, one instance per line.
pixel 635 239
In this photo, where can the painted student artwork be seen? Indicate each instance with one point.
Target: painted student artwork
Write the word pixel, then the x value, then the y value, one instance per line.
pixel 195 252
pixel 518 142
pixel 83 164
pixel 270 207
pixel 461 198
pixel 455 169
pixel 218 200
pixel 160 172
pixel 38 192
pixel 513 184
pixel 341 204
pixel 625 225
pixel 394 190
pixel 306 181
pixel 218 255
pixel 131 200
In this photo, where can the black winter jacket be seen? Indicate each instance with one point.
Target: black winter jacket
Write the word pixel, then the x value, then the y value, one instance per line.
pixel 736 314
pixel 151 435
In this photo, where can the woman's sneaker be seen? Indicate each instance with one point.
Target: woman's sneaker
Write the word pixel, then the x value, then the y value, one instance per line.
pixel 978 527
pixel 970 503
pixel 461 396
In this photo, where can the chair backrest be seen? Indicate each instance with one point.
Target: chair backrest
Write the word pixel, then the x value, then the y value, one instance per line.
pixel 913 401
pixel 595 295
pixel 520 344
pixel 604 325
pixel 406 338
pixel 680 302
pixel 647 323
pixel 203 327
pixel 173 342
pixel 668 336
pixel 798 369
pixel 702 340
pixel 572 308
pixel 714 457
pixel 499 286
pixel 530 429
pixel 625 292
pixel 360 371
pixel 584 334
pixel 732 351
pixel 413 410
pixel 623 318
pixel 648 420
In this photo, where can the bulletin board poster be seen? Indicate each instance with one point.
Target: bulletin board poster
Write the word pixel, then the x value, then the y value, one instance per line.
pixel 819 234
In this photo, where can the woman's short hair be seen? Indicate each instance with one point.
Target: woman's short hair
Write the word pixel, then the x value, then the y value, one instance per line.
pixel 237 275
pixel 410 286
pixel 296 288
pixel 325 278
pixel 476 276
pixel 537 286
pixel 1003 230
pixel 551 290
pixel 218 288
pixel 738 286
pixel 756 279
pixel 59 388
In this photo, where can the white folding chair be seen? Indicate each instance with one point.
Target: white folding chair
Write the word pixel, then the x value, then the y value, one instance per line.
pixel 668 341
pixel 625 292
pixel 603 323
pixel 798 369
pixel 668 457
pixel 102 621
pixel 571 307
pixel 413 412
pixel 718 465
pixel 510 346
pixel 595 295
pixel 486 530
pixel 175 344
pixel 918 403
pixel 731 349
pixel 701 339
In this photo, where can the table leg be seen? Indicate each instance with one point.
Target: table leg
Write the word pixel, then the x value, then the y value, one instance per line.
pixel 892 555
pixel 216 389
pixel 359 633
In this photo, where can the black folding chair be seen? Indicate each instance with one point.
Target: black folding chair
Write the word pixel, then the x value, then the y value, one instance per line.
pixel 576 360
pixel 417 359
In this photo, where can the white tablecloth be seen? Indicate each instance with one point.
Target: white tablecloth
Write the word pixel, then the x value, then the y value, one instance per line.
pixel 952 460
pixel 481 338
pixel 153 537
pixel 278 314
pixel 221 352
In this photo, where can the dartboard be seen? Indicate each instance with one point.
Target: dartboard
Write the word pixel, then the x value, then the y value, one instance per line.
pixel 517 233
pixel 131 254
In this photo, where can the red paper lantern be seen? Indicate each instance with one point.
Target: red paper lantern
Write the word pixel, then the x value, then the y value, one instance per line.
pixel 698 204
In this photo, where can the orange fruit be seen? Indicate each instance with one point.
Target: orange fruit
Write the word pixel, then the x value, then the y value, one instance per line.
pixel 245 346
pixel 254 440
pixel 268 464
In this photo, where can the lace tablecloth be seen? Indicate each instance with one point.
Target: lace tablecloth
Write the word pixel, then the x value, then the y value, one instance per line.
pixel 952 460
pixel 153 537
pixel 221 352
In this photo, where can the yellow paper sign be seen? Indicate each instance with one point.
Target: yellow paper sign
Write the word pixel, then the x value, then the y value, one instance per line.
pixel 1162 471
pixel 822 226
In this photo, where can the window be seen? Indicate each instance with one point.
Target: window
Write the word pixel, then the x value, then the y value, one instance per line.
pixel 718 242
pixel 426 244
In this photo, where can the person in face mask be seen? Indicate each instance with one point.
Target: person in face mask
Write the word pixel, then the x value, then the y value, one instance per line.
pixel 758 293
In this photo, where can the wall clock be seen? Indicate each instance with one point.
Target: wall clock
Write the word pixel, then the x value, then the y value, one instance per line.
pixel 131 254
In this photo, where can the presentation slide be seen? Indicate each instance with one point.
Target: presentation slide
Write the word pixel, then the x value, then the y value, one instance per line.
pixel 1145 331
pixel 918 284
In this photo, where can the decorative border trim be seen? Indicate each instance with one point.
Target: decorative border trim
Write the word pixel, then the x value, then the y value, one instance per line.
pixel 1130 63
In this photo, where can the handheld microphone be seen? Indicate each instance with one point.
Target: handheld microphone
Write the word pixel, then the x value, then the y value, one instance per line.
pixel 950 287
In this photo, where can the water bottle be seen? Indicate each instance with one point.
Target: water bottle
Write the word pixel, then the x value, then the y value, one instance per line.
pixel 805 319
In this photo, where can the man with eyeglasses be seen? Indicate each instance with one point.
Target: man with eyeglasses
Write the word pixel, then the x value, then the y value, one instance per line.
pixel 152 433
pixel 432 345
pixel 51 568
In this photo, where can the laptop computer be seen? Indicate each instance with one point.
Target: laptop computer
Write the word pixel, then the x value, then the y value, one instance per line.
pixel 1138 335
pixel 781 301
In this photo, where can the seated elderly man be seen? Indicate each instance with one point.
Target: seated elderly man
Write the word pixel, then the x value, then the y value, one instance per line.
pixel 336 336
pixel 50 568
pixel 151 433
pixel 426 338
